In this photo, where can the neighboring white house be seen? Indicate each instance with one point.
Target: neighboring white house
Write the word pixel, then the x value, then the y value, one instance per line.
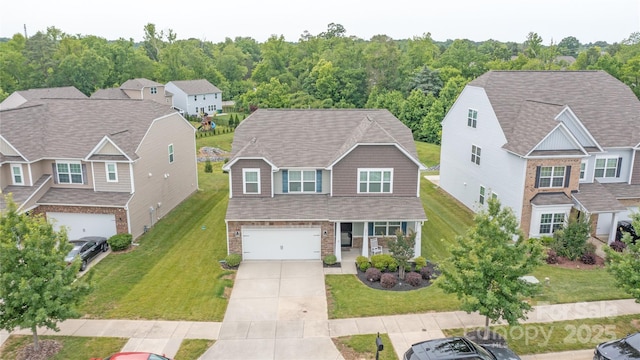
pixel 546 143
pixel 195 97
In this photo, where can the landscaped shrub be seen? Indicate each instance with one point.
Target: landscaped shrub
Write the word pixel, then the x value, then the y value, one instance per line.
pixel 413 278
pixel 588 258
pixel 546 240
pixel 120 242
pixel 426 273
pixel 373 274
pixel 388 281
pixel 618 245
pixel 330 259
pixel 552 257
pixel 420 262
pixel 233 260
pixel 571 241
pixel 393 266
pixel 383 262
pixel 362 262
pixel 208 167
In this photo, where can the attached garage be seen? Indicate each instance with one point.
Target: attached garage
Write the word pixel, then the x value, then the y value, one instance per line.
pixel 79 225
pixel 281 243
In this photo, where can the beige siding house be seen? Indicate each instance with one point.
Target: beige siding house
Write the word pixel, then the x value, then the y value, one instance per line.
pixel 97 167
pixel 138 89
pixel 20 97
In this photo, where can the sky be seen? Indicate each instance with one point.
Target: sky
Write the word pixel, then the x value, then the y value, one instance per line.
pixel 214 20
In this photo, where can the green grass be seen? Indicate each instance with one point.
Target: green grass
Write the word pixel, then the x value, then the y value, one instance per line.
pixel 349 297
pixel 364 346
pixel 429 154
pixel 192 349
pixel 222 141
pixel 73 347
pixel 562 335
pixel 174 273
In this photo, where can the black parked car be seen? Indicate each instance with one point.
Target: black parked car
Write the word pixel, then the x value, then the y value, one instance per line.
pixel 627 348
pixel 626 226
pixel 86 248
pixel 457 348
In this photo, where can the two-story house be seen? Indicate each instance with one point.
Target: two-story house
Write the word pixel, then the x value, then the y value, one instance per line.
pixel 138 89
pixel 98 167
pixel 20 97
pixel 196 97
pixel 308 183
pixel 544 143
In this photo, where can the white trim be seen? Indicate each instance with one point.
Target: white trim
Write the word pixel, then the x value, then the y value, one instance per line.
pixel 115 168
pixel 231 186
pixel 30 175
pixel 568 109
pixel 302 181
pixel 12 147
pixel 244 181
pixel 398 146
pixel 100 145
pixel 567 133
pixel 586 168
pixel 604 170
pixel 93 176
pixel 382 182
pixel 227 166
pixel 133 185
pixel 633 159
pixel 70 178
pixel 474 126
pixel 13 174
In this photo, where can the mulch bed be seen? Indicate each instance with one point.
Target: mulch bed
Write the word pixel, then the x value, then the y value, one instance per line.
pixel 577 264
pixel 401 285
pixel 48 349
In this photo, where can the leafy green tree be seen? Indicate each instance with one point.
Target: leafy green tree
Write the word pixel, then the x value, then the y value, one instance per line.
pixel 153 41
pixel 625 265
pixel 426 80
pixel 421 51
pixel 383 61
pixel 385 99
pixel 533 46
pixel 402 250
pixel 569 46
pixel 36 285
pixel 270 95
pixel 571 242
pixel 463 55
pixel 87 71
pixel 486 266
pixel 414 109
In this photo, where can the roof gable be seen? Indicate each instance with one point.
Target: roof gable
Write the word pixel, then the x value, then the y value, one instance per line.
pixel 196 87
pixel 139 84
pixel 578 130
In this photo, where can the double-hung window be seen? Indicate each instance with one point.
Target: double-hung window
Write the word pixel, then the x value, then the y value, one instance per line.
pixel 16 172
pixel 475 154
pixel 112 172
pixel 472 118
pixel 551 176
pixel 69 172
pixel 583 170
pixel 251 181
pixel 153 90
pixel 386 228
pixel 171 155
pixel 549 223
pixel 606 168
pixel 302 181
pixel 375 180
pixel 482 195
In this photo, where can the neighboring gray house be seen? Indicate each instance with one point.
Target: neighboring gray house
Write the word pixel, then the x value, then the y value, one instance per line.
pixel 20 97
pixel 547 144
pixel 195 97
pixel 139 89
pixel 98 167
pixel 308 183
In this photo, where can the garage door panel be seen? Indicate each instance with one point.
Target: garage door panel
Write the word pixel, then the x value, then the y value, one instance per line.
pixel 281 243
pixel 79 225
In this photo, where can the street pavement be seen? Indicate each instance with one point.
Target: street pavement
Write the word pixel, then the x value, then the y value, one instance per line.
pixel 278 310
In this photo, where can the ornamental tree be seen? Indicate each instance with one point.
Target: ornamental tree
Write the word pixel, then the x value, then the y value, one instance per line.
pixel 402 250
pixel 36 285
pixel 625 265
pixel 486 266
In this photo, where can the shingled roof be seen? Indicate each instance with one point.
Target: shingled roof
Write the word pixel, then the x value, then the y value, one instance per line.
pixel 72 128
pixel 316 138
pixel 66 92
pixel 139 84
pixel 196 87
pixel 526 102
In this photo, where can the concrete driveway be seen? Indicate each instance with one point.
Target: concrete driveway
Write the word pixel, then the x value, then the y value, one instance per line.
pixel 277 310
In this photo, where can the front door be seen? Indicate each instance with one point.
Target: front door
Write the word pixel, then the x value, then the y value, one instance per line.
pixel 346 234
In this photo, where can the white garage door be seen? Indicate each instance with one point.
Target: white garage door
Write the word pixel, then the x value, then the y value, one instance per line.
pixel 79 225
pixel 280 243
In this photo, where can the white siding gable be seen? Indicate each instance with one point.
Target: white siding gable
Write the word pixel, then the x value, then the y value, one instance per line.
pixel 571 121
pixel 558 139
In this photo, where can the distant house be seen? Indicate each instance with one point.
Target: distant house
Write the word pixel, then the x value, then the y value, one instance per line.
pixel 195 97
pixel 139 89
pixel 20 97
pixel 309 183
pixel 548 144
pixel 86 165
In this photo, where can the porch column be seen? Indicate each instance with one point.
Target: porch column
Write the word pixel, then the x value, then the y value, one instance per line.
pixel 417 248
pixel 614 225
pixel 338 242
pixel 365 239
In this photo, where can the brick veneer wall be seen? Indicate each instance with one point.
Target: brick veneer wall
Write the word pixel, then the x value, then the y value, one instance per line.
pixel 327 242
pixel 530 191
pixel 122 227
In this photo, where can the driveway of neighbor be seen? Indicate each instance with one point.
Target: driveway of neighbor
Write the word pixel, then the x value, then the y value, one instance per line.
pixel 277 310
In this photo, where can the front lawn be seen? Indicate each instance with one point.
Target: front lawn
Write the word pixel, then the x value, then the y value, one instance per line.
pixel 174 273
pixel 363 347
pixel 73 347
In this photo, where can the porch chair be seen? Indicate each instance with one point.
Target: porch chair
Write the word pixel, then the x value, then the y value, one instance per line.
pixel 375 248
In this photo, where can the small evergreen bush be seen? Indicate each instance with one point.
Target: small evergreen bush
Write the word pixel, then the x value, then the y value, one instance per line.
pixel 208 167
pixel 120 242
pixel 393 265
pixel 362 262
pixel 330 259
pixel 388 281
pixel 233 260
pixel 413 278
pixel 383 262
pixel 373 274
pixel 420 262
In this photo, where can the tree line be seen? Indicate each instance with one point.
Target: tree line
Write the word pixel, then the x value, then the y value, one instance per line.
pixel 417 79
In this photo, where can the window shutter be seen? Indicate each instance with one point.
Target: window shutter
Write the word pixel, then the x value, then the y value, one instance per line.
pixel 84 174
pixel 54 171
pixel 285 181
pixel 537 185
pixel 403 227
pixel 619 167
pixel 567 176
pixel 318 180
pixel 371 229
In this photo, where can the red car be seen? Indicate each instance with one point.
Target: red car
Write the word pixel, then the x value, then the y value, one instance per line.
pixel 136 356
